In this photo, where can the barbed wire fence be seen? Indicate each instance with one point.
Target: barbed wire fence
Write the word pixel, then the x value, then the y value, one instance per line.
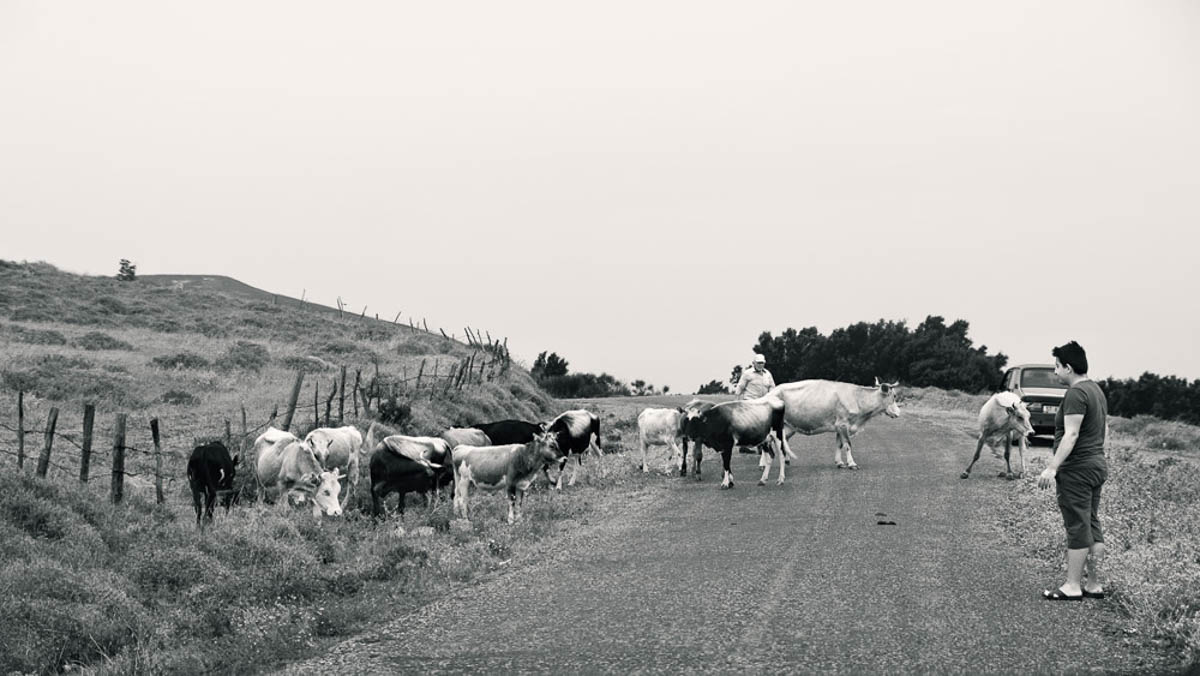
pixel 84 456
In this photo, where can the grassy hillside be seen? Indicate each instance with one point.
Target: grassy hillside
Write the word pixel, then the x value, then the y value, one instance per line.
pixel 132 587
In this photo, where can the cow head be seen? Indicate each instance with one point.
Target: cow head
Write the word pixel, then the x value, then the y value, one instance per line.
pixel 546 445
pixel 1018 419
pixel 691 423
pixel 325 495
pixel 887 394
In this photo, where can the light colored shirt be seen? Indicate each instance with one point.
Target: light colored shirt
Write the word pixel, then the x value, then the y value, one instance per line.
pixel 753 384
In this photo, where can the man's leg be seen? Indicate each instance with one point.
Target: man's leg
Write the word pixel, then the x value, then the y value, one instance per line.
pixel 1096 551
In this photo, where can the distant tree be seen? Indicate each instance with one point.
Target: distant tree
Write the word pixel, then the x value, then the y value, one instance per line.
pixel 639 387
pixel 128 271
pixel 713 387
pixel 548 366
pixel 666 389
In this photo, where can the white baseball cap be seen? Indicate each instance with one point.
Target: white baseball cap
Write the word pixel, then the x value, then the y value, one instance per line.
pixel 759 359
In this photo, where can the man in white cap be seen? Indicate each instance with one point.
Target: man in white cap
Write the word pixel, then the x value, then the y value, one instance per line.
pixel 755 382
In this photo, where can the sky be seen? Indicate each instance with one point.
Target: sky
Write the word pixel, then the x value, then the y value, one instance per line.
pixel 642 187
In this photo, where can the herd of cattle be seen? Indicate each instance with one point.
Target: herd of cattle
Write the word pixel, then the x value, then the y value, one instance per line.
pixel 508 455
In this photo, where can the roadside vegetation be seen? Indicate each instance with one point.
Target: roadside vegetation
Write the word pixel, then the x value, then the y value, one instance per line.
pixel 1150 511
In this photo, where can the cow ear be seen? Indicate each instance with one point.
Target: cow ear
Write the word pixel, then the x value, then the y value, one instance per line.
pixel 680 409
pixel 235 460
pixel 876 381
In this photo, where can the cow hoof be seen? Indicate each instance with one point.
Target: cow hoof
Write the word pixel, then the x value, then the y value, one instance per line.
pixel 1010 476
pixel 964 475
pixel 841 465
pixel 761 482
pixel 779 483
pixel 852 466
pixel 1001 475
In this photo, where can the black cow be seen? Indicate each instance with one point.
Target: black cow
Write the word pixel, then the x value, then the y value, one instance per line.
pixel 404 465
pixel 210 471
pixel 574 431
pixel 510 431
pixel 739 423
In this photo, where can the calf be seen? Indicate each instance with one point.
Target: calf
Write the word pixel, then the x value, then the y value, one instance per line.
pixel 1003 415
pixel 511 467
pixel 210 471
pixel 338 448
pixel 574 431
pixel 290 465
pixel 744 423
pixel 693 407
pixel 402 464
pixel 468 436
pixel 660 426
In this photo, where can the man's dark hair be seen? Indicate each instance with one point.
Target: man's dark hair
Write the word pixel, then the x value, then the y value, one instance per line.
pixel 1073 355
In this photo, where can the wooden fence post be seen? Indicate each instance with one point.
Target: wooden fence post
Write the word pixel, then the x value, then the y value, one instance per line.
pixel 228 435
pixel 420 373
pixel 426 324
pixel 329 401
pixel 85 454
pixel 20 429
pixel 245 432
pixel 291 409
pixel 342 397
pixel 118 460
pixel 316 404
pixel 158 489
pixel 274 415
pixel 354 394
pixel 44 458
pixel 397 319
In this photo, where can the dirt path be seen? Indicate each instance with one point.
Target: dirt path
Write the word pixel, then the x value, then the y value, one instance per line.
pixel 793 578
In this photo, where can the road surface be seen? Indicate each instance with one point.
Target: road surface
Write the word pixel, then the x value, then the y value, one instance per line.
pixel 793 578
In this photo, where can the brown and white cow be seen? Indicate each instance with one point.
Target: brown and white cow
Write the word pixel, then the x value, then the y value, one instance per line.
pixel 693 408
pixel 735 424
pixel 466 436
pixel 338 448
pixel 1002 417
pixel 511 468
pixel 819 406
pixel 289 464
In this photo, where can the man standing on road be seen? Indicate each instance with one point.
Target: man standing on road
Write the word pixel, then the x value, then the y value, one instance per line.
pixel 1078 470
pixel 753 384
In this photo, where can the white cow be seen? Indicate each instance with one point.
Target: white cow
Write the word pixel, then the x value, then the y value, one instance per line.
pixel 818 406
pixel 338 448
pixel 289 464
pixel 661 426
pixel 1002 416
pixel 511 467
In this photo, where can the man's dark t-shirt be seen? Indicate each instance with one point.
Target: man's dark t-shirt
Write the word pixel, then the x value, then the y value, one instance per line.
pixel 1086 399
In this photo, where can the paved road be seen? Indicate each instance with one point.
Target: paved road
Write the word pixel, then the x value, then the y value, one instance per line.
pixel 798 578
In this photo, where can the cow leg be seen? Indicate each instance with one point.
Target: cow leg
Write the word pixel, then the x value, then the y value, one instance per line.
pixel 1007 451
pixel 196 504
pixel 1021 450
pixel 575 472
pixel 843 434
pixel 562 467
pixel 461 488
pixel 642 443
pixel 726 456
pixel 683 458
pixel 675 453
pixel 978 447
pixel 376 499
pixel 512 504
pixel 697 456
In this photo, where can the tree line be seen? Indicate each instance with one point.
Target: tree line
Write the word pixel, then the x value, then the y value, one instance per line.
pixel 934 354
pixel 1166 397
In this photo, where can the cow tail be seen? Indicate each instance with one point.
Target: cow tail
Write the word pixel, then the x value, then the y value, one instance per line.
pixel 369 444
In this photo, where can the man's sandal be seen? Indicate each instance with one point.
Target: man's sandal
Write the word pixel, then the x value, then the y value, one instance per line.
pixel 1060 595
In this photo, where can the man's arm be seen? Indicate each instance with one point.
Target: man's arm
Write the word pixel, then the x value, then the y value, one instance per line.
pixel 741 386
pixel 1071 424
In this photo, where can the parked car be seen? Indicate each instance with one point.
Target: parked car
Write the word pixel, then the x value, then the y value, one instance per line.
pixel 1041 391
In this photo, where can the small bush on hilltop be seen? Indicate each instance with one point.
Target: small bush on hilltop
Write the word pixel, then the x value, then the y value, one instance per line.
pixel 38 336
pixel 96 340
pixel 245 356
pixel 180 360
pixel 179 398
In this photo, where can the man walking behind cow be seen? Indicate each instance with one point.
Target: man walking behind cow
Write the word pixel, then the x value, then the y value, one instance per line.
pixel 1078 470
pixel 753 384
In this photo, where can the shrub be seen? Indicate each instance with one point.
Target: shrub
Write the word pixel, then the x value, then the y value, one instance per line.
pixel 246 356
pixel 70 378
pixel 180 360
pixel 112 305
pixel 395 411
pixel 179 398
pixel 374 333
pixel 38 336
pixel 96 340
pixel 306 364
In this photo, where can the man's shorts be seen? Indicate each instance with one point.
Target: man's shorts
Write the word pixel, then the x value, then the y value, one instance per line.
pixel 1079 502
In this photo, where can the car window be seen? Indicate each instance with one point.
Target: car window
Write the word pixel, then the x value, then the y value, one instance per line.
pixel 1040 378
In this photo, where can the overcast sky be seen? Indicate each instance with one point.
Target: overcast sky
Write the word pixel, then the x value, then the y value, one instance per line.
pixel 642 187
